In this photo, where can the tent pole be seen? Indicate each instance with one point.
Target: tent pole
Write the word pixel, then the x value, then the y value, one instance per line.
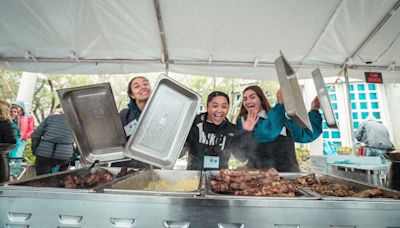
pixel 349 114
pixel 162 34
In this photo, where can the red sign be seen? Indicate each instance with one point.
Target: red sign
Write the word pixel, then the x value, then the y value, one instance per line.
pixel 373 77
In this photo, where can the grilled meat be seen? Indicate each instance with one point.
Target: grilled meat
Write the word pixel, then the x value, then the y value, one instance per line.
pixel 100 176
pixel 322 186
pixel 252 183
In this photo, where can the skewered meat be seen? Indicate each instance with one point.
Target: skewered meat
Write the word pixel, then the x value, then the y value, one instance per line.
pixel 252 183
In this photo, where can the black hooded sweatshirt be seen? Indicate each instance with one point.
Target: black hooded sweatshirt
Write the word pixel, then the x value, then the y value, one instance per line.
pixel 208 139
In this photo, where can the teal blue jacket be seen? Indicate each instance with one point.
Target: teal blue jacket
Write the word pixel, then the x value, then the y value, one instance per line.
pixel 305 135
pixel 266 130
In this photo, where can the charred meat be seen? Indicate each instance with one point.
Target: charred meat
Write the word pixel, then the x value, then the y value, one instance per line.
pixel 322 186
pixel 252 183
pixel 100 176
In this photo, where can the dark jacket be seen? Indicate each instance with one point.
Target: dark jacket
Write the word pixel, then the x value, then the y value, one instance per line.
pixel 6 132
pixel 207 139
pixel 129 114
pixel 53 138
pixel 126 116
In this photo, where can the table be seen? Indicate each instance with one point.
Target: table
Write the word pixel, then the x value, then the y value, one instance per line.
pixel 372 174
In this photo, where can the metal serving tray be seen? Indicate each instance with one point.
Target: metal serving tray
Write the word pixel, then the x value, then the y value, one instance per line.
pixel 52 182
pixel 292 97
pixel 93 118
pixel 324 99
pixel 150 182
pixel 301 195
pixel 164 124
pixel 388 194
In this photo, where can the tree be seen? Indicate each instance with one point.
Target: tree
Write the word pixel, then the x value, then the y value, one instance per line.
pixel 9 83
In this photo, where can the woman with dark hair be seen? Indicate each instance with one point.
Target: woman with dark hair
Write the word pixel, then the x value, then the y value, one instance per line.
pixel 274 134
pixel 211 137
pixel 139 91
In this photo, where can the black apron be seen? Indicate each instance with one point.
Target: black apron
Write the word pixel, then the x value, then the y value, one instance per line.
pixel 279 154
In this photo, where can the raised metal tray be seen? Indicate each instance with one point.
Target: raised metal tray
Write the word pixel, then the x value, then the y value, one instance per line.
pixel 292 97
pixel 357 186
pixel 301 195
pixel 50 182
pixel 164 124
pixel 140 183
pixel 93 118
pixel 324 99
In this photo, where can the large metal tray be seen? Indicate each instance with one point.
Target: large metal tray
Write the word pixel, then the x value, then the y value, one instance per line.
pixel 324 100
pixel 150 182
pixel 93 118
pixel 301 195
pixel 292 97
pixel 164 124
pixel 388 194
pixel 51 182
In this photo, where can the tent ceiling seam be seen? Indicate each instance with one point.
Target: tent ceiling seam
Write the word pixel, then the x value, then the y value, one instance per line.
pixel 371 35
pixel 330 21
pixel 192 63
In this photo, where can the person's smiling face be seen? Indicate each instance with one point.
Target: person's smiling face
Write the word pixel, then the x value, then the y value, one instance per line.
pixel 140 89
pixel 251 101
pixel 217 109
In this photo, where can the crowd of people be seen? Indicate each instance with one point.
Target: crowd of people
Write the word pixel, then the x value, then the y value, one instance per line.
pixel 263 136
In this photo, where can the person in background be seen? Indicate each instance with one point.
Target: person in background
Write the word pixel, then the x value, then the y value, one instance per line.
pixel 275 134
pixel 375 136
pixel 24 127
pixel 6 132
pixel 139 91
pixel 211 136
pixel 6 136
pixel 52 143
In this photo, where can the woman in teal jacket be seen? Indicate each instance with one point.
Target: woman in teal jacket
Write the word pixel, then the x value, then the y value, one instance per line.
pixel 274 134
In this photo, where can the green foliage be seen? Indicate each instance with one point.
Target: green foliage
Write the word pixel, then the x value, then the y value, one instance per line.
pixel 302 155
pixel 344 150
pixel 28 153
pixel 233 163
pixel 9 83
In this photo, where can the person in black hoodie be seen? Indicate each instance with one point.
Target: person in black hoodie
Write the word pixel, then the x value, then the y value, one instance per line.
pixel 212 138
pixel 139 91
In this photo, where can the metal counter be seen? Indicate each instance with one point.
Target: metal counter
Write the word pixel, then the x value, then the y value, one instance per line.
pixel 42 209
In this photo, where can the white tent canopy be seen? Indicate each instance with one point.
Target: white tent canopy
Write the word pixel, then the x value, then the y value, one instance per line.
pixel 228 38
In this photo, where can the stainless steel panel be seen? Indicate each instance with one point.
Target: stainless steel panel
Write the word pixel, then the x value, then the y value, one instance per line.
pixel 324 99
pixel 292 97
pixel 388 194
pixel 180 182
pixel 93 118
pixel 108 210
pixel 301 195
pixel 164 124
pixel 54 181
